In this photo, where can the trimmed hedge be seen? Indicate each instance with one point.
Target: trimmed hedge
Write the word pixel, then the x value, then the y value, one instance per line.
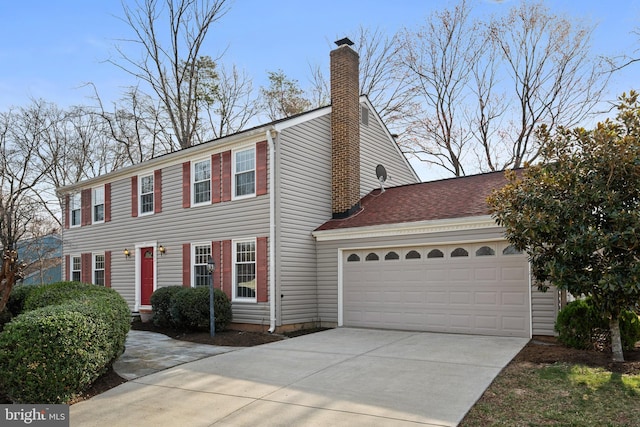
pixel 54 352
pixel 579 322
pixel 19 295
pixel 188 308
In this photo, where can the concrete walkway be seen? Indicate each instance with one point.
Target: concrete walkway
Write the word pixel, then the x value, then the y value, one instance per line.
pixel 340 377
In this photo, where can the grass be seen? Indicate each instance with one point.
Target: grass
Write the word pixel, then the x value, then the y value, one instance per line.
pixel 527 394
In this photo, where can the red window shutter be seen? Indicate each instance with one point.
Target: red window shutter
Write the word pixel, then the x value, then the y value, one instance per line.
pixel 157 191
pixel 66 213
pixel 216 254
pixel 186 184
pixel 107 202
pixel 134 196
pixel 186 265
pixel 107 269
pixel 226 176
pixel 261 168
pixel 67 268
pixel 262 294
pixel 85 206
pixel 227 266
pixel 85 273
pixel 215 178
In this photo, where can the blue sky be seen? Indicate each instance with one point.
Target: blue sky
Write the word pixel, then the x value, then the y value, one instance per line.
pixel 50 49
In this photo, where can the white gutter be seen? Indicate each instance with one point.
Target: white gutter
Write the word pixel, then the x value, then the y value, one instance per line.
pixel 272 233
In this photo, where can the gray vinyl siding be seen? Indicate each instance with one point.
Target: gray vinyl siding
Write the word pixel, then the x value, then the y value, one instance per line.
pixel 376 148
pixel 328 259
pixel 544 310
pixel 174 226
pixel 304 185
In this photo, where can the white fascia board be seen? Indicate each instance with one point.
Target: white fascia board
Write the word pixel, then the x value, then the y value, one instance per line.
pixel 301 119
pixel 409 228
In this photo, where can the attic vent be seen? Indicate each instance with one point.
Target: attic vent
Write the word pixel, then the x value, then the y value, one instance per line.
pixel 364 116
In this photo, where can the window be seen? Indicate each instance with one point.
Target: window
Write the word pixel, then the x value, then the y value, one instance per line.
pixel 201 254
pixel 201 182
pixel 76 268
pixel 146 194
pixel 372 257
pixel 391 256
pixel 75 209
pixel 412 255
pixel 245 270
pixel 98 204
pixel 245 173
pixel 365 116
pixel 459 252
pixel 511 250
pixel 485 251
pixel 353 258
pixel 435 253
pixel 98 269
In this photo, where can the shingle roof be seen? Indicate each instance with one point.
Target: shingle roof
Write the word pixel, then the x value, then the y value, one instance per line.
pixel 443 199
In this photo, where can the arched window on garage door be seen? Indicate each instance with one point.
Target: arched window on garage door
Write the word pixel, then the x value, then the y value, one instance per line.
pixel 353 258
pixel 412 255
pixel 372 257
pixel 485 251
pixel 435 253
pixel 511 250
pixel 459 252
pixel 391 256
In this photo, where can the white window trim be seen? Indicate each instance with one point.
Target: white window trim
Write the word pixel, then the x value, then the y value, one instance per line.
pixel 233 172
pixel 193 181
pixel 193 259
pixel 140 194
pixel 93 267
pixel 79 209
pixel 234 294
pixel 71 270
pixel 93 205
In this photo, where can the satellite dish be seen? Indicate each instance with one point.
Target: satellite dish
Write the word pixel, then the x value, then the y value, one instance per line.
pixel 381 173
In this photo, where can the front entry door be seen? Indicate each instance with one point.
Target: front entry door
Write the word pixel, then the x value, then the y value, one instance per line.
pixel 146 275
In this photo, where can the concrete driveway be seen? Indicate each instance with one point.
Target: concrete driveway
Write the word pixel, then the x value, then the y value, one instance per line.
pixel 340 377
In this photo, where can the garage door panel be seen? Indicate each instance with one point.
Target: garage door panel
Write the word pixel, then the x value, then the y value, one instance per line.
pixel 475 294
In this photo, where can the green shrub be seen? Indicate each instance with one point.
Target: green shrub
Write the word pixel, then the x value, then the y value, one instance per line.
pixel 579 322
pixel 52 353
pixel 18 296
pixel 5 317
pixel 161 305
pixel 190 309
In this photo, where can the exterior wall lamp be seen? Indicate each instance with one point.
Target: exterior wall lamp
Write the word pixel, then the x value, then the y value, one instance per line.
pixel 162 250
pixel 126 253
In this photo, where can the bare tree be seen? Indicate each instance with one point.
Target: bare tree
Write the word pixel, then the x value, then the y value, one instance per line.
pixel 171 70
pixel 555 80
pixel 439 58
pixel 284 97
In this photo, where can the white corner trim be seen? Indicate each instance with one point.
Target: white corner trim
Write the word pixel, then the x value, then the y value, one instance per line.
pixel 403 229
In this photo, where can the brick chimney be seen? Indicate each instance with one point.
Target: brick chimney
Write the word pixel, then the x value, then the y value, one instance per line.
pixel 345 130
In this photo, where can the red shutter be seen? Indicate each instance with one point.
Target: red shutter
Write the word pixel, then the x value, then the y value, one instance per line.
pixel 262 268
pixel 107 202
pixel 85 274
pixel 261 168
pixel 85 204
pixel 157 191
pixel 67 268
pixel 227 266
pixel 66 214
pixel 186 265
pixel 107 269
pixel 215 178
pixel 216 254
pixel 226 176
pixel 134 196
pixel 186 184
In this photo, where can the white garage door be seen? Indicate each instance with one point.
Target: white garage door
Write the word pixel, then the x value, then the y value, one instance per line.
pixel 475 289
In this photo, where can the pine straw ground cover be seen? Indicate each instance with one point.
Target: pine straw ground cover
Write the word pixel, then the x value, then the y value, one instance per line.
pixel 548 384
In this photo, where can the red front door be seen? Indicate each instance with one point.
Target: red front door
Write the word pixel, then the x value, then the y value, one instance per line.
pixel 146 275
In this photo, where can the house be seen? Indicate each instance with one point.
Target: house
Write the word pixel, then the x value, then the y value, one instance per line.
pixel 43 256
pixel 286 211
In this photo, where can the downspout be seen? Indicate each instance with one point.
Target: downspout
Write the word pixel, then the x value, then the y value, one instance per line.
pixel 272 233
